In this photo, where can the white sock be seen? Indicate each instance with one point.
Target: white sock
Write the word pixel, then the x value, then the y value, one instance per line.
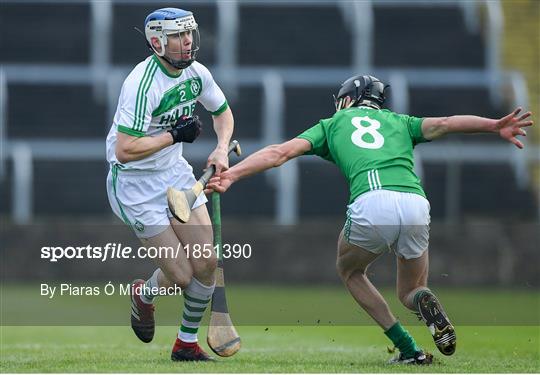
pixel 151 284
pixel 196 299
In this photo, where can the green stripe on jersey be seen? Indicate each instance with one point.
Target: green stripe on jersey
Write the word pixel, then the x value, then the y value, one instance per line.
pixel 144 86
pixel 139 90
pixel 183 92
pixel 129 131
pixel 221 109
pixel 145 98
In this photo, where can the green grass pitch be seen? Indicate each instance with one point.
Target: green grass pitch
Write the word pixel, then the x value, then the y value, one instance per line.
pixel 285 348
pixel 278 349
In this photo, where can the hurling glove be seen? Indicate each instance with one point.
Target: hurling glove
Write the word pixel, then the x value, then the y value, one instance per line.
pixel 186 129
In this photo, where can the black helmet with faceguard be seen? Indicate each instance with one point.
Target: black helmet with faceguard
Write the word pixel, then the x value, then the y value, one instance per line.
pixel 362 89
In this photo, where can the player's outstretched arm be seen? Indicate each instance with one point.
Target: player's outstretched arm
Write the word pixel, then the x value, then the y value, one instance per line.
pixel 508 127
pixel 269 157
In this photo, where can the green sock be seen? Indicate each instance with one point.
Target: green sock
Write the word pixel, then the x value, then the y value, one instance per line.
pixel 402 340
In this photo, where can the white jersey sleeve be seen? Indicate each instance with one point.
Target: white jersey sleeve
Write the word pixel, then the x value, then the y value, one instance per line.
pixel 137 100
pixel 212 98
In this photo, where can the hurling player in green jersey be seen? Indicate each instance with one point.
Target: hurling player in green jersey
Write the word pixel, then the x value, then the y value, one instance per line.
pixel 388 209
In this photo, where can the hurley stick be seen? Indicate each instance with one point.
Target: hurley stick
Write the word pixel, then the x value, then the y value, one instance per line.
pixel 222 336
pixel 180 202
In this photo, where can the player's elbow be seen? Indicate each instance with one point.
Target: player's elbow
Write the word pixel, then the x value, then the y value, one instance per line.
pixel 443 126
pixel 122 154
pixel 281 154
pixel 126 148
pixel 275 155
pixel 437 127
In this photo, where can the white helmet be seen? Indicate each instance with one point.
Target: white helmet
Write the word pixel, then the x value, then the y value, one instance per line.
pixel 165 22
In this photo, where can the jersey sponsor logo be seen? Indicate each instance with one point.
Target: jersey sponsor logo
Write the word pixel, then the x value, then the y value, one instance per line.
pixel 189 109
pixel 170 118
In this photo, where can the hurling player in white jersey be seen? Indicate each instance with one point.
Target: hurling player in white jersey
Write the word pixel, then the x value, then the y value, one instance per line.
pixel 144 149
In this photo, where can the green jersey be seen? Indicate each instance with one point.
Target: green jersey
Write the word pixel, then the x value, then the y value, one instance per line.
pixel 372 148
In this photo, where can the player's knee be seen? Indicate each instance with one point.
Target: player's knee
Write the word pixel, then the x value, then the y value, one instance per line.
pixel 181 277
pixel 205 266
pixel 346 269
pixel 210 263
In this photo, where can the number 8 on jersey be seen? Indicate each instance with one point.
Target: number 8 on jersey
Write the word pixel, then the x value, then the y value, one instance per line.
pixel 357 136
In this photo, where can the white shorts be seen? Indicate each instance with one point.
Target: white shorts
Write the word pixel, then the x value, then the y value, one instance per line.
pixel 382 220
pixel 140 198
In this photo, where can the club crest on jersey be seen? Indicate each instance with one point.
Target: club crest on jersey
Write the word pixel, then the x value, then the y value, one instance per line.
pixel 195 87
pixel 139 226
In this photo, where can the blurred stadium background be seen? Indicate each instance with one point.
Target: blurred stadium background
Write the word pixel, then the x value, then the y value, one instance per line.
pixel 278 62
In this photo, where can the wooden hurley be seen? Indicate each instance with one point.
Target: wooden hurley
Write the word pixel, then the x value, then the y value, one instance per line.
pixel 222 336
pixel 180 202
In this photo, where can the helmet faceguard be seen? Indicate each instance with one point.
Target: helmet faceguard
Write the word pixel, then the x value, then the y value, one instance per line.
pixel 365 90
pixel 178 34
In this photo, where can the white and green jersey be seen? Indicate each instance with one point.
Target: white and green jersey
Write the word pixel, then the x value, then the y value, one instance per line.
pixel 152 100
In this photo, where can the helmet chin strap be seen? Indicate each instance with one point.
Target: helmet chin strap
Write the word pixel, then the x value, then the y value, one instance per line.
pixel 178 64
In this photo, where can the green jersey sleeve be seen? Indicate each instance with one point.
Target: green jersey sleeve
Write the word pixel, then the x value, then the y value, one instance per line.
pixel 316 135
pixel 414 125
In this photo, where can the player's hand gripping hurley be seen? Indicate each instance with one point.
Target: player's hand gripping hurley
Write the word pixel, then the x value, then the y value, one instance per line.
pixel 180 202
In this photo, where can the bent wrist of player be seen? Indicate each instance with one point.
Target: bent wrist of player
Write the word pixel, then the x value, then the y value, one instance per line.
pixel 221 149
pixel 232 175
